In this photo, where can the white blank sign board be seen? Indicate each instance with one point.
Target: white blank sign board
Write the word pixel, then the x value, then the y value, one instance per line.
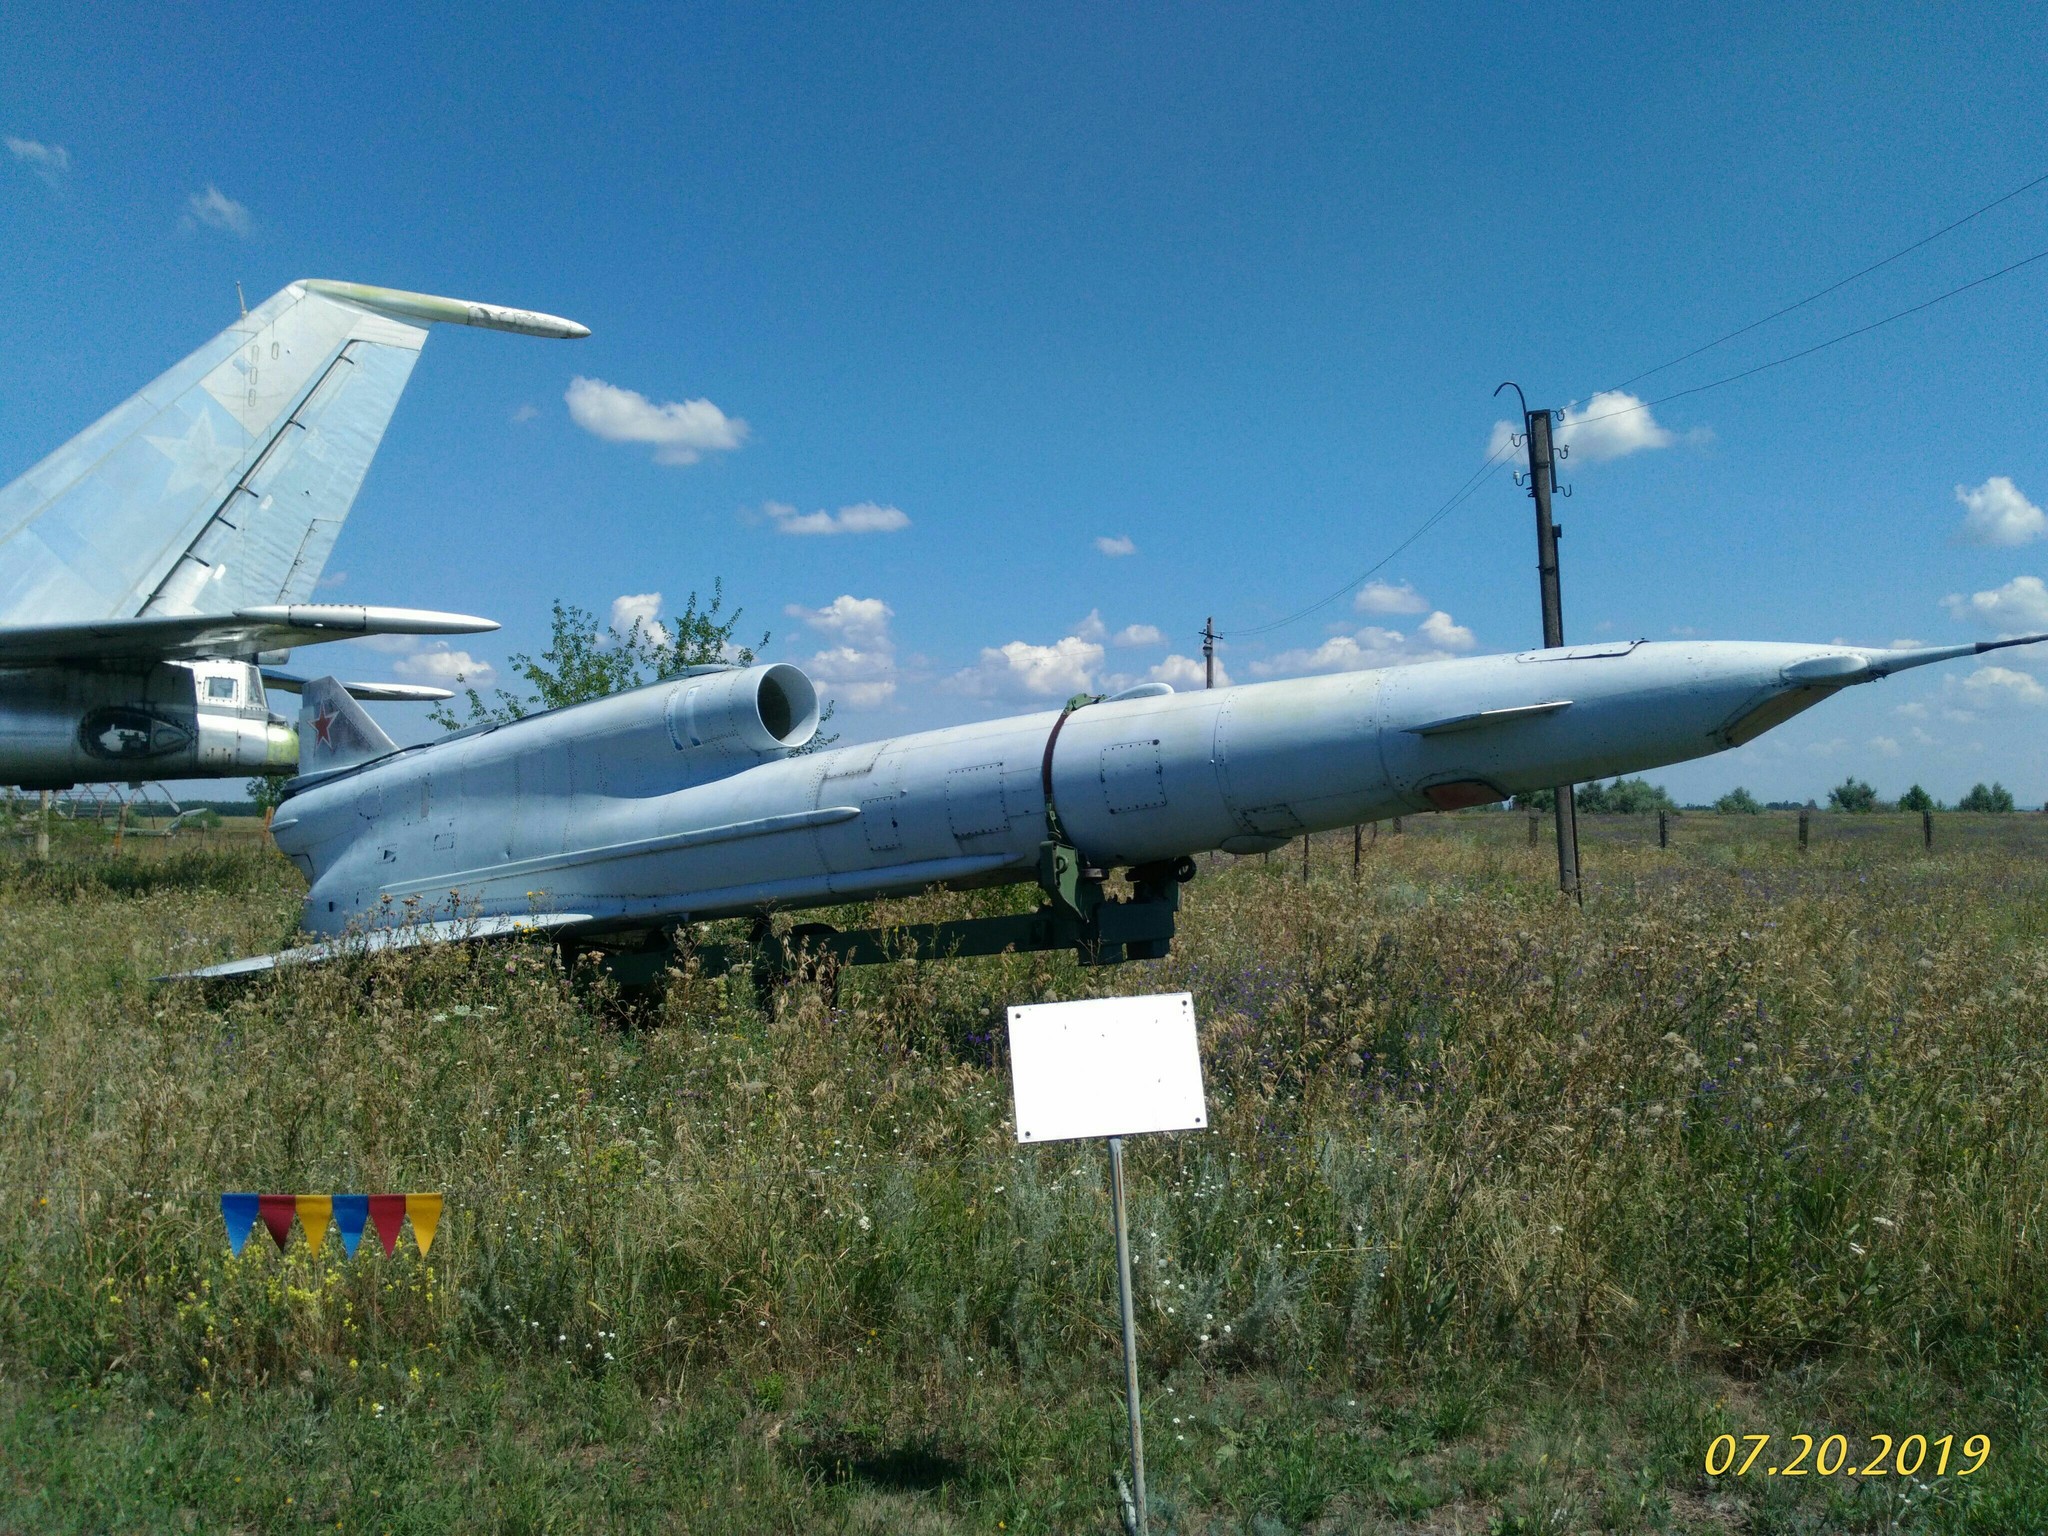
pixel 1107 1066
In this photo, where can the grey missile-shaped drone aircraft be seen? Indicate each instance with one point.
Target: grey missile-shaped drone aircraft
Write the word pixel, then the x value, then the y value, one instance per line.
pixel 611 826
pixel 156 567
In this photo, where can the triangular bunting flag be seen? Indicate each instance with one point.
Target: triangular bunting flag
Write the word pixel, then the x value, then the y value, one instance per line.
pixel 314 1213
pixel 277 1212
pixel 425 1211
pixel 387 1214
pixel 350 1212
pixel 239 1212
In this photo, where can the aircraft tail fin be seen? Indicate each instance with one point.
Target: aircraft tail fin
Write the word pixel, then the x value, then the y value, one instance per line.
pixel 224 484
pixel 335 731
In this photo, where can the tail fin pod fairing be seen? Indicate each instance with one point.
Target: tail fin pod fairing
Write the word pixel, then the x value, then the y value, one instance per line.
pixel 335 731
pixel 224 484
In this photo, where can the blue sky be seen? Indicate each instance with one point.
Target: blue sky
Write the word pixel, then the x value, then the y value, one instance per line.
pixel 1228 288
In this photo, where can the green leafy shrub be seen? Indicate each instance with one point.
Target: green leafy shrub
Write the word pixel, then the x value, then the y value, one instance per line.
pixel 1995 798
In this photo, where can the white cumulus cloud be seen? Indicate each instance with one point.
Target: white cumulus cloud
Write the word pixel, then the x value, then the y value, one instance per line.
pixel 1116 546
pixel 1991 686
pixel 1022 670
pixel 1437 638
pixel 50 162
pixel 1186 672
pixel 861 669
pixel 680 431
pixel 2018 607
pixel 856 620
pixel 1385 597
pixel 862 517
pixel 216 210
pixel 1996 514
pixel 1092 627
pixel 1440 631
pixel 447 668
pixel 1611 425
pixel 1884 746
pixel 861 678
pixel 1139 634
pixel 642 608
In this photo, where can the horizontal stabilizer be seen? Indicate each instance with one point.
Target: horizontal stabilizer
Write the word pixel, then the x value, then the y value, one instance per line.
pixel 241 635
pixel 378 940
pixel 365 693
pixel 426 306
pixel 334 730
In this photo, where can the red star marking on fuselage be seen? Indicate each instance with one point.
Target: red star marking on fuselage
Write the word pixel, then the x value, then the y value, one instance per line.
pixel 321 722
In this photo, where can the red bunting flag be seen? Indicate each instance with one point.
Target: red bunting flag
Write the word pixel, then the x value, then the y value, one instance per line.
pixel 387 1215
pixel 277 1212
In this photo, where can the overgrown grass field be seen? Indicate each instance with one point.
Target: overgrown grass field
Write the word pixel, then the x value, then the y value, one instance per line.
pixel 1508 1209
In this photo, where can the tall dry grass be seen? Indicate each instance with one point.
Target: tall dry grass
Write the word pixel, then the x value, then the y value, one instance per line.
pixel 1740 1112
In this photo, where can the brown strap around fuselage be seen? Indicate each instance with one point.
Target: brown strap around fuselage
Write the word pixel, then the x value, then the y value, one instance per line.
pixel 1053 829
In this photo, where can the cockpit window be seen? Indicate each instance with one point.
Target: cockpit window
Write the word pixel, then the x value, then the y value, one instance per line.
pixel 221 688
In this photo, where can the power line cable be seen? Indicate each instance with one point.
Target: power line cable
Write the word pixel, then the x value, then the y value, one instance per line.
pixel 1458 498
pixel 1500 453
pixel 1832 341
pixel 1778 314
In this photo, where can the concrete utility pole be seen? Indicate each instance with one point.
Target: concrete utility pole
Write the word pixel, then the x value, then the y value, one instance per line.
pixel 1542 482
pixel 1209 653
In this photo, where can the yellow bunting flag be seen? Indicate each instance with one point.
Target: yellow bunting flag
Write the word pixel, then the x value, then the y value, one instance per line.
pixel 425 1211
pixel 314 1214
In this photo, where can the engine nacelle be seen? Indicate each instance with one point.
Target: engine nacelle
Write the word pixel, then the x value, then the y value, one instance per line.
pixel 758 709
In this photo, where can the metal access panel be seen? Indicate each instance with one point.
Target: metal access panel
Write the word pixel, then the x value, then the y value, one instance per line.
pixel 1132 779
pixel 878 821
pixel 974 800
pixel 1106 1066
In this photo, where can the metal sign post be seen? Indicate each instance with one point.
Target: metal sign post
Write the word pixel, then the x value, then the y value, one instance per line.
pixel 1111 1067
pixel 1134 1515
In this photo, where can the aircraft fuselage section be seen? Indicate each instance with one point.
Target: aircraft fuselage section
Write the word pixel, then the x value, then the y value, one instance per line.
pixel 611 809
pixel 67 725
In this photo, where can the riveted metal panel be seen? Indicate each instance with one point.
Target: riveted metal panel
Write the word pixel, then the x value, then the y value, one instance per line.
pixel 974 800
pixel 1132 778
pixel 878 821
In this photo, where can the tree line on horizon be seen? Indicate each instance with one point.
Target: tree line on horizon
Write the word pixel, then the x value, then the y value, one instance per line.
pixel 1638 796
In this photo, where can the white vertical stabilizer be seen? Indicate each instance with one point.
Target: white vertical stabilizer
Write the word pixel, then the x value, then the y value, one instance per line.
pixel 335 731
